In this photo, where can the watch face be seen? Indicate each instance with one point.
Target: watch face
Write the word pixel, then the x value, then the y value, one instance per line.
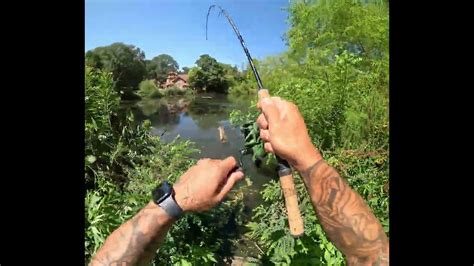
pixel 161 192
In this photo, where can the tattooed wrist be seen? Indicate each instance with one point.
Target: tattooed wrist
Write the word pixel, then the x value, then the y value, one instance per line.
pixel 307 173
pixel 136 241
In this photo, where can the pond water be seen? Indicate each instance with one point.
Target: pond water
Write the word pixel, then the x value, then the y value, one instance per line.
pixel 197 118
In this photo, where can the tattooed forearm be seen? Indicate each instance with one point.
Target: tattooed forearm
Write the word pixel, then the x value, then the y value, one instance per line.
pixel 345 217
pixel 136 241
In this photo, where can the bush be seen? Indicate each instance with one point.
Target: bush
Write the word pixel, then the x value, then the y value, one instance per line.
pixel 336 72
pixel 124 162
pixel 243 88
pixel 366 172
pixel 172 91
pixel 148 89
pixel 113 142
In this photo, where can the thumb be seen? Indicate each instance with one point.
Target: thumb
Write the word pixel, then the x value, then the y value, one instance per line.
pixel 228 164
pixel 229 184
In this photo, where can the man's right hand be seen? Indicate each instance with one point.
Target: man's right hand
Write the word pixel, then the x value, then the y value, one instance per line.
pixel 347 220
pixel 284 132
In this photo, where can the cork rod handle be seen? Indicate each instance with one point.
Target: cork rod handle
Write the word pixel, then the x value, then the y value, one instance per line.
pixel 295 221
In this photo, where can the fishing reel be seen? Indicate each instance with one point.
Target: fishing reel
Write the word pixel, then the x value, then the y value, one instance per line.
pixel 253 144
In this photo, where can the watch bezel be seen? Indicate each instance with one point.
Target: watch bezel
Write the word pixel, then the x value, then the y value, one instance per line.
pixel 167 191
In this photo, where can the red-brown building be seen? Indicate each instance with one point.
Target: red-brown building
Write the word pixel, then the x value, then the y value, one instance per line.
pixel 176 80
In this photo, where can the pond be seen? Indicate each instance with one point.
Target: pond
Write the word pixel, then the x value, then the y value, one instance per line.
pixel 197 118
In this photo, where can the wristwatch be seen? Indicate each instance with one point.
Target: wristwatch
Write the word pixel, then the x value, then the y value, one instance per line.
pixel 163 196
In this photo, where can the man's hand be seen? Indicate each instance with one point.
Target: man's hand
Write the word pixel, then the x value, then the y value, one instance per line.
pixel 345 217
pixel 284 132
pixel 200 188
pixel 206 184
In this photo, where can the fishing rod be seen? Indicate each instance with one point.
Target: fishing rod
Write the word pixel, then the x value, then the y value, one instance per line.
pixel 285 172
pixel 242 42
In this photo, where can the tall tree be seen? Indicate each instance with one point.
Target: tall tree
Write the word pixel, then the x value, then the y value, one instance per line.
pixel 150 69
pixel 209 75
pixel 321 31
pixel 161 65
pixel 125 62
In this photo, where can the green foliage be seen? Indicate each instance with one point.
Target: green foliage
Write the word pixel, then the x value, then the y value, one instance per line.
pixel 150 67
pixel 237 117
pixel 320 30
pixel 232 75
pixel 351 110
pixel 148 89
pixel 209 75
pixel 124 162
pixel 336 72
pixel 253 143
pixel 113 143
pixel 244 82
pixel 243 88
pixel 171 91
pixel 125 62
pixel 160 65
pixel 365 172
pixel 185 70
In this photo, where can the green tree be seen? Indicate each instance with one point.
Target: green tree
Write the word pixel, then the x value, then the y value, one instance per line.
pixel 125 62
pixel 185 70
pixel 150 69
pixel 160 66
pixel 209 75
pixel 124 162
pixel 336 72
pixel 148 89
pixel 322 30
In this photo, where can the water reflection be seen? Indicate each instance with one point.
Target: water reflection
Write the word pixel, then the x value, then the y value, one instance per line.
pixel 163 111
pixel 207 114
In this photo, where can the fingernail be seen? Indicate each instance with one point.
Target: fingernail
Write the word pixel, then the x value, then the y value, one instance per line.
pixel 237 169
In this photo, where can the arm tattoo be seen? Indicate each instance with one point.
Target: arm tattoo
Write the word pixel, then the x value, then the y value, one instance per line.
pixel 136 241
pixel 345 217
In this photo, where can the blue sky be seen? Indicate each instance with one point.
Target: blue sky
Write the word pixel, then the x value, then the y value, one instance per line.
pixel 177 27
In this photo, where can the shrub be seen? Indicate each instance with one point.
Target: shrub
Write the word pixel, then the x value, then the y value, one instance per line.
pixel 148 89
pixel 124 162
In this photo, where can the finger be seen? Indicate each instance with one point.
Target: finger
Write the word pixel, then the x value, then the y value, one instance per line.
pixel 228 164
pixel 269 110
pixel 203 160
pixel 262 122
pixel 263 94
pixel 230 182
pixel 279 102
pixel 268 147
pixel 265 134
pixel 274 99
